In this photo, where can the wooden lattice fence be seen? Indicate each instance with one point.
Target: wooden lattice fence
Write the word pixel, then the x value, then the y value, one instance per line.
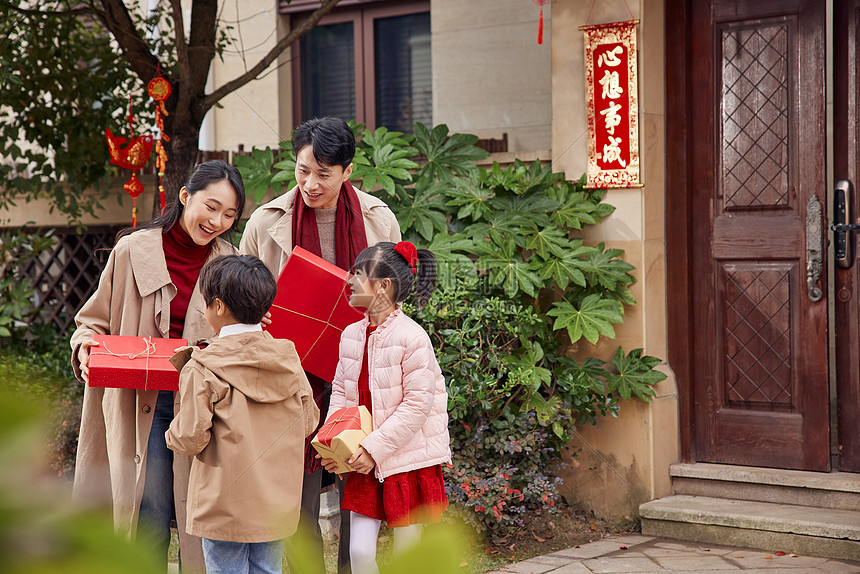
pixel 66 275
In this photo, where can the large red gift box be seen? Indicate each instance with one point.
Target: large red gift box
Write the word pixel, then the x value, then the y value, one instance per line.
pixel 312 309
pixel 134 363
pixel 340 436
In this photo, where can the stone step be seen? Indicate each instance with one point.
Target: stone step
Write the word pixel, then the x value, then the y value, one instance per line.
pixel 837 490
pixel 804 530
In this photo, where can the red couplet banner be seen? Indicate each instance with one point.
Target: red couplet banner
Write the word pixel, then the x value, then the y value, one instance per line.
pixel 612 105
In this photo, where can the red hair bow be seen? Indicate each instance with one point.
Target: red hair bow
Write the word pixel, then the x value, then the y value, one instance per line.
pixel 409 253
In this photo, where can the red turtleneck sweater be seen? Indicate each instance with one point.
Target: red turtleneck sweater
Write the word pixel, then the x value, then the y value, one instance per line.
pixel 184 261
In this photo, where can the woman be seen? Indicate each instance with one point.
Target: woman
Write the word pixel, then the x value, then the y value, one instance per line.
pixel 149 289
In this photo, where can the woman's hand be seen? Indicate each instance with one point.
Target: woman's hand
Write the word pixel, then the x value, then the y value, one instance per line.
pixel 361 461
pixel 328 463
pixel 84 358
pixel 267 319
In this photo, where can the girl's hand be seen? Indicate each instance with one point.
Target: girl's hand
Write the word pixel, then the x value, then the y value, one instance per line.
pixel 267 319
pixel 361 461
pixel 329 464
pixel 84 358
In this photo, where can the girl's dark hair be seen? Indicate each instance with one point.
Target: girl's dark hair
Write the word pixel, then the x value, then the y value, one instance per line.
pixel 332 141
pixel 381 261
pixel 242 282
pixel 204 175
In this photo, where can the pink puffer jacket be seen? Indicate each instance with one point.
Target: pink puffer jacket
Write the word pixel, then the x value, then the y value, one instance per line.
pixel 410 404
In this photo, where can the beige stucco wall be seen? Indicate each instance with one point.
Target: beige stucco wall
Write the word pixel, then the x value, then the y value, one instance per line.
pixel 619 463
pixel 116 203
pixel 489 74
pixel 250 115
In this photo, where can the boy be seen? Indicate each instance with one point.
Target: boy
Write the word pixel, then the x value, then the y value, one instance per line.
pixel 327 216
pixel 245 409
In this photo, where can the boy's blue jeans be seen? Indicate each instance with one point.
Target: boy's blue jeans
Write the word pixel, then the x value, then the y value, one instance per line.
pixel 223 557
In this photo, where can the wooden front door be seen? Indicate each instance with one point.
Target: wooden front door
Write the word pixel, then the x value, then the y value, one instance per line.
pixel 757 160
pixel 846 166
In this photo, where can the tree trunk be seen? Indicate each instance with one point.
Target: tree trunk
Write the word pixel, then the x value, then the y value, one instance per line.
pixel 181 155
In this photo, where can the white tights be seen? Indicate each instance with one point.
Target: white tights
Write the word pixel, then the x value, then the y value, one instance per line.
pixel 363 532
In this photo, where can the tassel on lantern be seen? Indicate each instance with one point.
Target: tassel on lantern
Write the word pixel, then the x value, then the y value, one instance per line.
pixel 159 90
pixel 540 27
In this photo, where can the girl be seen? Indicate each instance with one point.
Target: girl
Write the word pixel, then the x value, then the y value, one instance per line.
pixel 387 364
pixel 149 289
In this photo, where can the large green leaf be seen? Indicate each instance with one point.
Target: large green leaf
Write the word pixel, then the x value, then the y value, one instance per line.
pixel 422 208
pixel 285 166
pixel 636 375
pixel 506 268
pixel 608 270
pixel 569 266
pixel 256 170
pixel 593 317
pixel 589 374
pixel 447 155
pixel 451 262
pixel 546 241
pixel 385 162
pixel 470 197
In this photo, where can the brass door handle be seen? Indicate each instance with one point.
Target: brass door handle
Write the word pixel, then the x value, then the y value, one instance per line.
pixel 814 248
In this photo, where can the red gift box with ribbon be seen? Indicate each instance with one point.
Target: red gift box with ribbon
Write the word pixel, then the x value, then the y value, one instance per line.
pixel 312 309
pixel 134 363
pixel 339 437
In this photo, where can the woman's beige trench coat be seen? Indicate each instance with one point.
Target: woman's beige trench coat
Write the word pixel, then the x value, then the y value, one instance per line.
pixel 132 298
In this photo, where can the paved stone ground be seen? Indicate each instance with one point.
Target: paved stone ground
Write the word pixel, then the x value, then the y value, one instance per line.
pixel 645 554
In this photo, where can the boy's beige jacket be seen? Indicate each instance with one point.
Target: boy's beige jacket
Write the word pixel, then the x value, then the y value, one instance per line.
pixel 269 232
pixel 132 298
pixel 245 409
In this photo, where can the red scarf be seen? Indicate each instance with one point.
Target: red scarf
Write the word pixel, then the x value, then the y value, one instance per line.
pixel 349 235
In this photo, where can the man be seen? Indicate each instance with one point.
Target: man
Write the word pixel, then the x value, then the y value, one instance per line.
pixel 327 216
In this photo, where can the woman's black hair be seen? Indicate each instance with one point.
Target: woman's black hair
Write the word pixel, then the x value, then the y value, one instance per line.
pixel 381 261
pixel 332 141
pixel 205 174
pixel 243 283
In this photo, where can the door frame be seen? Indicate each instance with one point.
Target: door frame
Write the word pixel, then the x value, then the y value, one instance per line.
pixel 846 156
pixel 678 219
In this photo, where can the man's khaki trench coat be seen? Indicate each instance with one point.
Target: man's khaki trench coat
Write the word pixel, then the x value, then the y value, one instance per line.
pixel 269 232
pixel 133 298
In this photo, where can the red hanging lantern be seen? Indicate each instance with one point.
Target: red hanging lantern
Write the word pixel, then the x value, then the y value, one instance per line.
pixel 159 90
pixel 540 19
pixel 134 156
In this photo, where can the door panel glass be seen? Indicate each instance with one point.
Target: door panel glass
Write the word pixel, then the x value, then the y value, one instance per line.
pixel 328 72
pixel 403 71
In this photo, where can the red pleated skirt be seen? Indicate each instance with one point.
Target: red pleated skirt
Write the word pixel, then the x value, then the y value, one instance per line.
pixel 414 497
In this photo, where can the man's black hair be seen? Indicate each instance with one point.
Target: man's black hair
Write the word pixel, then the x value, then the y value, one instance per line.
pixel 331 139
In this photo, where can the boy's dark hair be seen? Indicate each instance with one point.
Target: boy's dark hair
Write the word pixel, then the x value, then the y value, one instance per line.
pixel 332 141
pixel 381 261
pixel 243 283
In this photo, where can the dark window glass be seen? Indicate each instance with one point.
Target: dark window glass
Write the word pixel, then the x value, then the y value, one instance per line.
pixel 403 72
pixel 328 72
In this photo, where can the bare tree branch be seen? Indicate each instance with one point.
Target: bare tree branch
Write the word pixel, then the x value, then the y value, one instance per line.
pixel 183 94
pixel 135 49
pixel 265 62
